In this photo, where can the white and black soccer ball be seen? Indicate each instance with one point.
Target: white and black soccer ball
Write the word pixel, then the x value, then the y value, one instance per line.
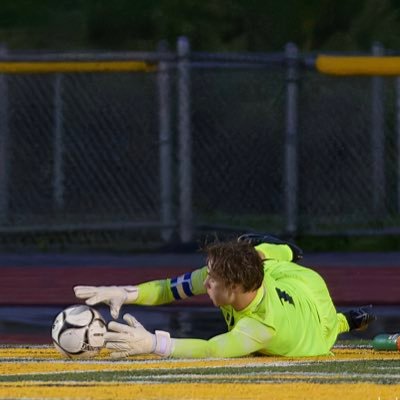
pixel 78 332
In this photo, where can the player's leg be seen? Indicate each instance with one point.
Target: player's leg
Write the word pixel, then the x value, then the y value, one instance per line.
pixel 330 324
pixel 358 319
pixel 257 238
pixel 355 319
pixel 343 325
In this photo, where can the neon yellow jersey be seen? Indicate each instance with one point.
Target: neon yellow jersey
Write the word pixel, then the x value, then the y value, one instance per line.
pixel 295 306
pixel 191 284
pixel 291 315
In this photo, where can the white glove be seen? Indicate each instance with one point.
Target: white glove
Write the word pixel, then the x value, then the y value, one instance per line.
pixel 114 296
pixel 133 339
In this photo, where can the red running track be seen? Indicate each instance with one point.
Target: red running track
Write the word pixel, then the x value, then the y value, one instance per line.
pixel 48 285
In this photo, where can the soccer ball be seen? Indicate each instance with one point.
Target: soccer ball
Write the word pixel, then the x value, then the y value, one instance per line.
pixel 78 332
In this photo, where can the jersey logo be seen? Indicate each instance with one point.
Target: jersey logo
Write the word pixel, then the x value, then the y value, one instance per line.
pixel 283 296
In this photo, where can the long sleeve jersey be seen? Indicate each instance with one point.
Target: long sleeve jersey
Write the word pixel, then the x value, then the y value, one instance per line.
pixel 291 315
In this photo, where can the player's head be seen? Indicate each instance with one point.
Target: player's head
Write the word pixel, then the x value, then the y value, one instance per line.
pixel 233 264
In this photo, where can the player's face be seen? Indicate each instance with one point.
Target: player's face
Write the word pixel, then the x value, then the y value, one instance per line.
pixel 219 293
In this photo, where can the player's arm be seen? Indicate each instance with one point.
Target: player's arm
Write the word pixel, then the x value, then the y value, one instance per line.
pixel 150 293
pixel 168 290
pixel 272 248
pixel 247 337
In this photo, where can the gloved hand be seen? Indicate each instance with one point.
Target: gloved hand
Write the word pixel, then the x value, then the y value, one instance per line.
pixel 114 296
pixel 133 339
pixel 258 238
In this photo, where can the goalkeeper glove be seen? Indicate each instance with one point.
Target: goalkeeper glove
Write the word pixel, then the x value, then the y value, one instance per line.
pixel 134 339
pixel 114 296
pixel 258 238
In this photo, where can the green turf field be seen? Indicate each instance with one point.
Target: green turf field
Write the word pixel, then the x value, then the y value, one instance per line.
pixel 39 372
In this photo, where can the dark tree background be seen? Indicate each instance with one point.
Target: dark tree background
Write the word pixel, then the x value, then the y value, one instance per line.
pixel 215 25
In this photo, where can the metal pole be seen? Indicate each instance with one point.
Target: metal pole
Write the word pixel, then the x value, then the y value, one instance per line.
pixel 185 142
pixel 291 169
pixel 4 144
pixel 397 83
pixel 378 138
pixel 163 82
pixel 58 172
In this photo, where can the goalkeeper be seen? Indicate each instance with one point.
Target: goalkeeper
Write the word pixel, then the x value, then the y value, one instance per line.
pixel 271 305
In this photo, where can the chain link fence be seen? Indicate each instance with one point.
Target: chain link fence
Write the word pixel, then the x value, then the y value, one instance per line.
pixel 348 180
pixel 238 141
pixel 203 143
pixel 83 148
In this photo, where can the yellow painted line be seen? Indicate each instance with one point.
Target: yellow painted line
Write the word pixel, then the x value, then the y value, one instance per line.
pixel 358 65
pixel 44 360
pixel 29 352
pixel 20 67
pixel 30 367
pixel 56 367
pixel 48 368
pixel 51 352
pixel 180 391
pixel 26 360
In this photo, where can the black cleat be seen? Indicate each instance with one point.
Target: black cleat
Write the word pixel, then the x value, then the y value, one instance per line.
pixel 359 318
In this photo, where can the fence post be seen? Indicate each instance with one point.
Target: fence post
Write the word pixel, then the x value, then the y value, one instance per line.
pixel 185 142
pixel 4 144
pixel 291 133
pixel 165 140
pixel 378 137
pixel 58 168
pixel 397 83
